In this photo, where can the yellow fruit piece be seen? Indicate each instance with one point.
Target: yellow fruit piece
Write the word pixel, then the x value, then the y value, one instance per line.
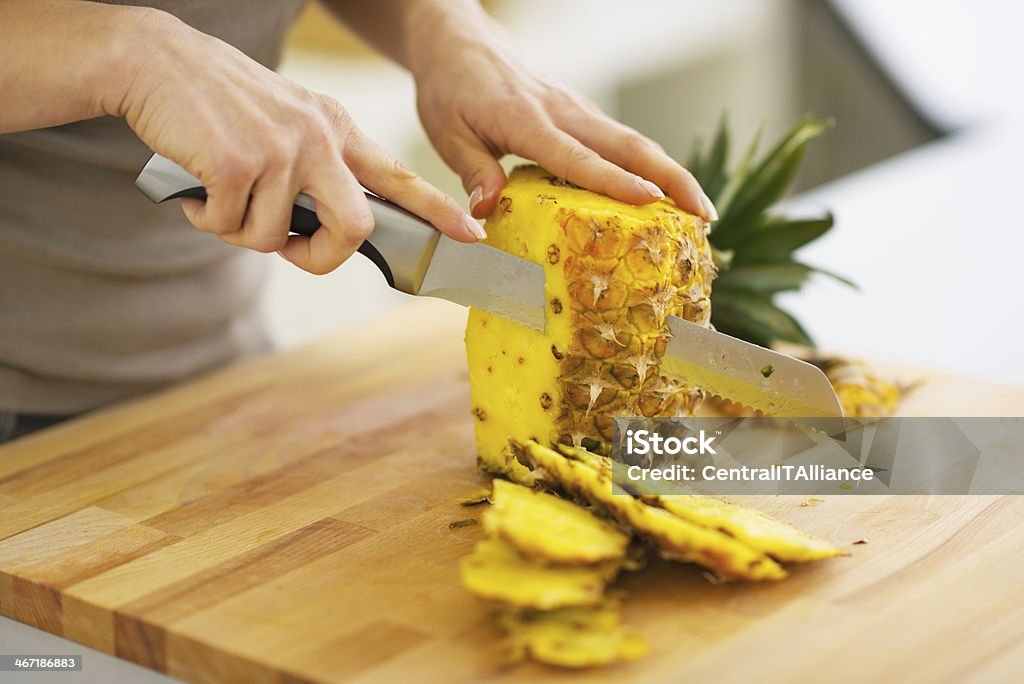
pixel 862 393
pixel 778 539
pixel 676 538
pixel 495 571
pixel 549 529
pixel 573 637
pixel 613 273
pixel 759 531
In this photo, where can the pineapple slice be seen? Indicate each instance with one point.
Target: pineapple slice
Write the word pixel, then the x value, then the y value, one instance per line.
pixel 496 572
pixel 759 531
pixel 573 637
pixel 677 538
pixel 544 527
pixel 613 273
pixel 778 539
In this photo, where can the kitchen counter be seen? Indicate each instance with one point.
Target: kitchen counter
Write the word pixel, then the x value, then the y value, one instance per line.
pixel 288 518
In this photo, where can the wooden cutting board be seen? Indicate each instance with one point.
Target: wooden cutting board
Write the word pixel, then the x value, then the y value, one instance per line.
pixel 288 520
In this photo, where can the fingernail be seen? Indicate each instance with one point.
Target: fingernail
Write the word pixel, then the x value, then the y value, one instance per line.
pixel 473 227
pixel 709 208
pixel 650 188
pixel 475 197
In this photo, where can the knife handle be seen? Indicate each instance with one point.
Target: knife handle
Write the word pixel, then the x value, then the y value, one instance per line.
pixel 400 246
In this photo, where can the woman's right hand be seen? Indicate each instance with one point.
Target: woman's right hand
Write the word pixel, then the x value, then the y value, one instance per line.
pixel 256 140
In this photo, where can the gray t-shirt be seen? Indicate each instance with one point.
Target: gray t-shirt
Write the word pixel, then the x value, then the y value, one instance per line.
pixel 104 295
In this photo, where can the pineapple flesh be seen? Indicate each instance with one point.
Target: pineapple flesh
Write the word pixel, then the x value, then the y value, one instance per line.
pixel 546 528
pixel 572 637
pixel 613 273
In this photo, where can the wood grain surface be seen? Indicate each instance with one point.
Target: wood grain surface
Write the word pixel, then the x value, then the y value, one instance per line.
pixel 288 519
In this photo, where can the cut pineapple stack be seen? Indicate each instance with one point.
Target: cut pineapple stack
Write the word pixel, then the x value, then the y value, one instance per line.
pixel 547 562
pixel 613 273
pixel 545 568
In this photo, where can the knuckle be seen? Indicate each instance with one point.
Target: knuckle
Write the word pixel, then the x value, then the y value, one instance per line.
pixel 236 167
pixel 640 144
pixel 574 156
pixel 333 110
pixel 278 152
pixel 320 268
pixel 265 243
pixel 397 168
pixel 360 227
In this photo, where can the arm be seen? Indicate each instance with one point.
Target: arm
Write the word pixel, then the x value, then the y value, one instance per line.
pixel 254 138
pixel 40 85
pixel 478 102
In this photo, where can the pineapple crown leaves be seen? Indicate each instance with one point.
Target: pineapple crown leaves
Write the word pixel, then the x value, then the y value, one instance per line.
pixel 753 248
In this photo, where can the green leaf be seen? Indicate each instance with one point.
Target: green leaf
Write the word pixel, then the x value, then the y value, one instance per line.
pixel 723 199
pixel 766 184
pixel 836 277
pixel 777 238
pixel 755 318
pixel 693 162
pixel 763 279
pixel 713 175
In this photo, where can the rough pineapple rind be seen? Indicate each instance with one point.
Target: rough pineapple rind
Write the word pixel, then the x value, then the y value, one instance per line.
pixel 675 537
pixel 496 572
pixel 613 273
pixel 548 529
pixel 573 637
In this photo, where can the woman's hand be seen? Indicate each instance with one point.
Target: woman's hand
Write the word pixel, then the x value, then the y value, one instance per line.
pixel 257 139
pixel 478 102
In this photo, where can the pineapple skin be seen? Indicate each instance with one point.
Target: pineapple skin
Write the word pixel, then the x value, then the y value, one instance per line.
pixel 613 273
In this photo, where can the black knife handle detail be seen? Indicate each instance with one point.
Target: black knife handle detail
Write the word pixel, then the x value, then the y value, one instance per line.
pixel 305 222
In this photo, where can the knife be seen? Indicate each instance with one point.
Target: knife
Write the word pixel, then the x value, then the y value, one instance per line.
pixel 417 259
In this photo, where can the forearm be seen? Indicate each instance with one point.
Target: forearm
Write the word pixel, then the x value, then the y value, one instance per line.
pixel 410 31
pixel 63 60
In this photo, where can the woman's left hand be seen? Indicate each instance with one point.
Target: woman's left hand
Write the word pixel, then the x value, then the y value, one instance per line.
pixel 478 102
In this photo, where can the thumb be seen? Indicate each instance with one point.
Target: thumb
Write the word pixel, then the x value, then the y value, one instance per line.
pixel 482 176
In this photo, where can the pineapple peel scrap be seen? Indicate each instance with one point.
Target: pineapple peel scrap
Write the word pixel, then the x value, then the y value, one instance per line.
pixel 573 637
pixel 549 529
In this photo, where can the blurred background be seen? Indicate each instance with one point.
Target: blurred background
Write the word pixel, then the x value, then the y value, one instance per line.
pixel 921 170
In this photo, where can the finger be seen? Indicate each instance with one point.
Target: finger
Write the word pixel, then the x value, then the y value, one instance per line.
pixel 268 219
pixel 482 175
pixel 345 221
pixel 635 152
pixel 389 178
pixel 565 156
pixel 226 200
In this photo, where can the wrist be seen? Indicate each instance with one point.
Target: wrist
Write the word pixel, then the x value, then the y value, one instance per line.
pixel 434 30
pixel 135 35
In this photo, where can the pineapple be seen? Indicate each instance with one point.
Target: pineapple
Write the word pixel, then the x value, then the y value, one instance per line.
pixel 613 273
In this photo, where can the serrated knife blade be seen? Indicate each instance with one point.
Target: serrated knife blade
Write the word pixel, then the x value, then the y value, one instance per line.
pixel 768 381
